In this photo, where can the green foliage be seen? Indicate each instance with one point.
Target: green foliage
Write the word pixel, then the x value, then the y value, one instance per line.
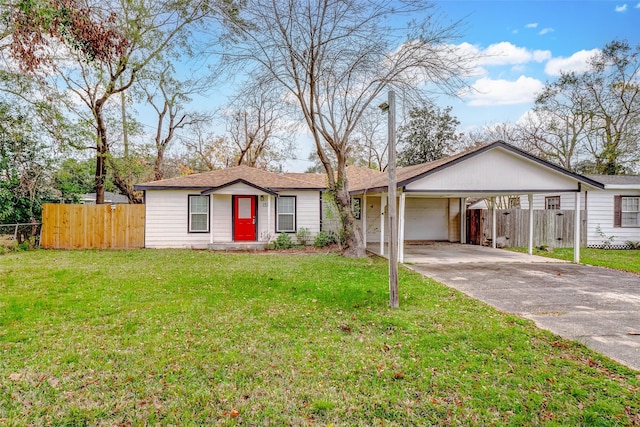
pixel 428 136
pixel 74 178
pixel 24 168
pixel 620 259
pixel 324 238
pixel 278 339
pixel 303 236
pixel 283 241
pixel 632 245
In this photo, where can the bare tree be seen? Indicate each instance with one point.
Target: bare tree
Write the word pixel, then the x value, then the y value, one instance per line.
pixel 168 98
pixel 370 140
pixel 257 126
pixel 335 57
pixel 556 135
pixel 206 151
pixel 597 112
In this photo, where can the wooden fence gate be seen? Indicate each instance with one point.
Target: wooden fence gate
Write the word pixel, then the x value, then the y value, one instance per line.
pixel 92 226
pixel 553 228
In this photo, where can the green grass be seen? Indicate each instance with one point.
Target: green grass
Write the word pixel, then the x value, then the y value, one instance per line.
pixel 625 260
pixel 178 337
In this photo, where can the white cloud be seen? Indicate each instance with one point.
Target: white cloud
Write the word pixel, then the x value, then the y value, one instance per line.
pixel 545 31
pixel 621 8
pixel 532 25
pixel 638 6
pixel 577 62
pixel 489 92
pixel 505 53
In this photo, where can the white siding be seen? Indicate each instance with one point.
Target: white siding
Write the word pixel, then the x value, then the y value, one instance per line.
pixel 166 224
pixel 599 207
pixel 373 220
pixel 307 210
pixel 167 217
pixel 496 170
pixel 600 214
pixel 239 189
pixel 567 200
pixel 222 226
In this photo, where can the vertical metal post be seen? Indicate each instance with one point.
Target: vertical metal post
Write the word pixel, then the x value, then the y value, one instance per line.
pixel 393 224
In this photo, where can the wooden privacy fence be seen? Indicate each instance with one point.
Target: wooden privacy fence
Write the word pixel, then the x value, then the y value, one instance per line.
pixel 92 226
pixel 553 228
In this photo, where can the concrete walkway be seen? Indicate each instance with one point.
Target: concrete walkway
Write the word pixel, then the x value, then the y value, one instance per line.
pixel 596 306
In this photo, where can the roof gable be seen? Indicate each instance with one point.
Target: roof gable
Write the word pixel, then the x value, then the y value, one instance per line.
pixel 407 175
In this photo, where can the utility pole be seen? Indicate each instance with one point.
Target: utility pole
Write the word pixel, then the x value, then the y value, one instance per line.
pixel 393 224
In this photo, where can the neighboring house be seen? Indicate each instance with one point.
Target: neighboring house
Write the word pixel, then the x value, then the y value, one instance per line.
pixel 613 213
pixel 243 204
pixel 109 198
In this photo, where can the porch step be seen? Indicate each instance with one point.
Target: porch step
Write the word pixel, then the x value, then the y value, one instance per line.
pixel 237 246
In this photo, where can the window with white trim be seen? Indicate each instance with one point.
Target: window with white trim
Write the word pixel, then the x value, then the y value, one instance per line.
pixel 630 211
pixel 552 202
pixel 198 214
pixel 286 214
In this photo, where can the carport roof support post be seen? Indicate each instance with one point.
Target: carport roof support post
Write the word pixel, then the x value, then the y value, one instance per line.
pixel 530 198
pixel 576 228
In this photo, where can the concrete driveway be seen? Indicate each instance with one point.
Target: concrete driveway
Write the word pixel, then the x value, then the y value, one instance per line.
pixel 596 306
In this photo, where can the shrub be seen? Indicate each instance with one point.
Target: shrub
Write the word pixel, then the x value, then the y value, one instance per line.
pixel 323 239
pixel 283 241
pixel 632 245
pixel 303 236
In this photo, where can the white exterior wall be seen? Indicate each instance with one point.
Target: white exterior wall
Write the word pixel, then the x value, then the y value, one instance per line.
pixel 166 223
pixel 599 207
pixel 373 220
pixel 567 200
pixel 497 170
pixel 167 218
pixel 307 210
pixel 600 214
pixel 425 219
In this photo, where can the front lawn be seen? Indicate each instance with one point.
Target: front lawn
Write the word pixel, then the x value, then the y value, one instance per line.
pixel 179 337
pixel 625 260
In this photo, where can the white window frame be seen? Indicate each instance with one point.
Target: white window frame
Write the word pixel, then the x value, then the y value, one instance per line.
pixel 623 211
pixel 192 214
pixel 554 206
pixel 294 214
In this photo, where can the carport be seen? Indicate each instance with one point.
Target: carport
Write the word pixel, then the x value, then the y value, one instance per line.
pixel 432 197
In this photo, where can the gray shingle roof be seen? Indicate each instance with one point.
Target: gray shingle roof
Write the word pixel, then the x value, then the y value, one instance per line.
pixel 616 179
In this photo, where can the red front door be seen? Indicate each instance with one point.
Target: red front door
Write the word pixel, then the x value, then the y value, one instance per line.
pixel 244 218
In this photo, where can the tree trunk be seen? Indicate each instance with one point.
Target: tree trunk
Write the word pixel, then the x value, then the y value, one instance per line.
pixel 353 241
pixel 157 166
pixel 352 234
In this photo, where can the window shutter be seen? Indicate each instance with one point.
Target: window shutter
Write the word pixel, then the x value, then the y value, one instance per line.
pixel 617 211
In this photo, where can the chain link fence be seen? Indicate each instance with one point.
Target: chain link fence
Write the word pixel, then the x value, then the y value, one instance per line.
pixel 18 234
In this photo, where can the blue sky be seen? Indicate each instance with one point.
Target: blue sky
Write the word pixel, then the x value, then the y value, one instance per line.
pixel 528 43
pixel 524 44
